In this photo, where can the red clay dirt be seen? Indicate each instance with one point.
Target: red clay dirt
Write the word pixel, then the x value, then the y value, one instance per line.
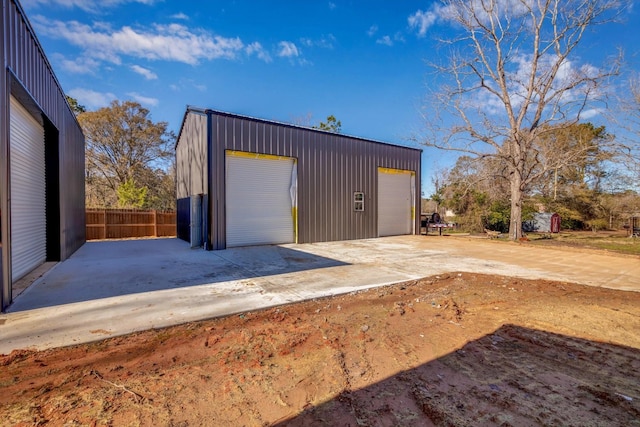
pixel 452 350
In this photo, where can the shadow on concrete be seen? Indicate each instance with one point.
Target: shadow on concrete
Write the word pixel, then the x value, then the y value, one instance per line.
pixel 103 269
pixel 515 376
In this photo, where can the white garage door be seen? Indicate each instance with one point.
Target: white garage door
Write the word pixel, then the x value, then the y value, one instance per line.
pixel 395 202
pixel 28 218
pixel 261 199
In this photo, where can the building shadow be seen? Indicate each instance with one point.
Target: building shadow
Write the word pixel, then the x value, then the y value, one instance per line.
pixel 515 376
pixel 104 269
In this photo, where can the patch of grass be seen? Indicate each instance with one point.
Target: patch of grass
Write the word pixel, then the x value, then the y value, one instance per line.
pixel 162 335
pixel 610 241
pixel 633 249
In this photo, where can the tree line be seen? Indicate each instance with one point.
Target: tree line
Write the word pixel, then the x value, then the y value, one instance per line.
pixel 511 100
pixel 584 186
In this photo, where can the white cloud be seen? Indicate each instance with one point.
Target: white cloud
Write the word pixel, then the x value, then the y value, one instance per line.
pixel 180 16
pixel 287 49
pixel 144 100
pixel 172 42
pixel 256 48
pixel 92 99
pixel 94 6
pixel 569 87
pixel 486 102
pixel 501 9
pixel 372 30
pixel 81 65
pixel 590 114
pixel 568 73
pixel 325 42
pixel 472 10
pixel 385 40
pixel 146 73
pixel 422 21
pixel 332 5
pixel 186 84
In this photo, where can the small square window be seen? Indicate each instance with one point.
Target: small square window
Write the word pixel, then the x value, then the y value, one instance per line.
pixel 358 201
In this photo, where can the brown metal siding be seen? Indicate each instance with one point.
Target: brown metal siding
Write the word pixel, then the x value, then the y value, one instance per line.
pixel 330 168
pixel 29 76
pixel 191 157
pixel 72 190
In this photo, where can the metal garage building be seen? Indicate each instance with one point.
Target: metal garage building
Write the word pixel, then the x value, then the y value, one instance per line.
pixel 41 158
pixel 243 181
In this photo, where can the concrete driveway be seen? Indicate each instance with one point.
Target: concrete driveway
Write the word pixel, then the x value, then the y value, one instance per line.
pixel 111 288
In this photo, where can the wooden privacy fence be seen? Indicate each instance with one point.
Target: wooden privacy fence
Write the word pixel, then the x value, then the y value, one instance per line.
pixel 122 223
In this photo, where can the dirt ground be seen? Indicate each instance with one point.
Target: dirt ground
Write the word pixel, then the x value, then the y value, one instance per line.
pixel 451 350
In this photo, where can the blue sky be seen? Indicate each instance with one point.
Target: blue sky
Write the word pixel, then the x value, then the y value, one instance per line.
pixel 364 62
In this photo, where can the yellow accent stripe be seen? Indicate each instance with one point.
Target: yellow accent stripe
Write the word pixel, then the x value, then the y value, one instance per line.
pixel 294 214
pixel 248 155
pixel 395 171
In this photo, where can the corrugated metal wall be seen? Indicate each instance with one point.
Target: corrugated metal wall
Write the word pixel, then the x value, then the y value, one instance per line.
pixel 5 259
pixel 331 167
pixel 29 77
pixel 191 156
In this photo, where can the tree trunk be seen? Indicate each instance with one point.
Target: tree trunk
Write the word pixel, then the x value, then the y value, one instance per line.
pixel 515 226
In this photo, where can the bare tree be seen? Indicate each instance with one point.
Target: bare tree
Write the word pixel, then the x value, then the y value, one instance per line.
pixel 306 120
pixel 628 117
pixel 511 77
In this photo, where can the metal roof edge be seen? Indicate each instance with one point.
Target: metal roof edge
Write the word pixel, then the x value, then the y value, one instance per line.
pixel 207 111
pixel 52 73
pixel 184 119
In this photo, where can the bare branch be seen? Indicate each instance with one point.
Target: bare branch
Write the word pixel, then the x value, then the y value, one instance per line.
pixel 512 79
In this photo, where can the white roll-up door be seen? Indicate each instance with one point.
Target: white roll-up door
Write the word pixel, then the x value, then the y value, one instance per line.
pixel 395 202
pixel 28 217
pixel 260 208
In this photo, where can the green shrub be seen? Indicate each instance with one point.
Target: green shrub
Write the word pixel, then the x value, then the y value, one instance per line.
pixel 598 224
